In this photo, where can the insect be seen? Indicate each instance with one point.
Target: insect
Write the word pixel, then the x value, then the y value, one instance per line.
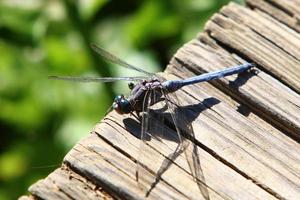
pixel 147 91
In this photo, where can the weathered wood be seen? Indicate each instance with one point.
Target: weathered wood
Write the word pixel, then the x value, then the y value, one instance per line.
pixel 222 128
pixel 280 105
pixel 264 94
pixel 65 184
pixel 246 126
pixel 265 48
pixel 97 159
pixel 287 12
pixel 212 168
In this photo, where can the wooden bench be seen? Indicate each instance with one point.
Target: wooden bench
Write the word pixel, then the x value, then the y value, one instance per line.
pixel 247 143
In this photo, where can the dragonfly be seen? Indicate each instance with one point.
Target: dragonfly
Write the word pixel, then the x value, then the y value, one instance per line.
pixel 146 91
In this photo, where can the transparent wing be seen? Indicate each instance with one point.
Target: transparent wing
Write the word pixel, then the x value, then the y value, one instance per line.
pixel 114 59
pixel 149 157
pixel 142 175
pixel 96 79
pixel 160 146
pixel 185 134
pixel 164 141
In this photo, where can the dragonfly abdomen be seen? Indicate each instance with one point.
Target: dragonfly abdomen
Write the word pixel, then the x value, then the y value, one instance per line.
pixel 174 85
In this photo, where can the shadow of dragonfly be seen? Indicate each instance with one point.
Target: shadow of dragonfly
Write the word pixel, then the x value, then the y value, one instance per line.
pixel 161 129
pixel 148 91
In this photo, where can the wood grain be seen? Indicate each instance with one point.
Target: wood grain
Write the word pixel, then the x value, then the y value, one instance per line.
pixel 267 48
pixel 120 139
pixel 244 140
pixel 279 105
pixel 65 184
pixel 287 12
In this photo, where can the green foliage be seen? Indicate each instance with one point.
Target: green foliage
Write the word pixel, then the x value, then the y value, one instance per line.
pixel 41 119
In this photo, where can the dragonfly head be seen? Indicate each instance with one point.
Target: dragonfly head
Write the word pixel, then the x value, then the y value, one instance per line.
pixel 121 105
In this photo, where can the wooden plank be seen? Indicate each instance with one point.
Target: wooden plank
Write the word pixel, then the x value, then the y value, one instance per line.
pixel 255 43
pixel 287 12
pixel 200 57
pixel 291 7
pixel 279 105
pixel 100 161
pixel 65 184
pixel 282 36
pixel 219 188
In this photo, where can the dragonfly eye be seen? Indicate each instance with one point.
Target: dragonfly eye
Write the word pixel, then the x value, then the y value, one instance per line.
pixel 121 105
pixel 119 98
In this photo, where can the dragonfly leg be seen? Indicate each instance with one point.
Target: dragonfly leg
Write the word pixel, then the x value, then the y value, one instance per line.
pixel 136 115
pixel 254 71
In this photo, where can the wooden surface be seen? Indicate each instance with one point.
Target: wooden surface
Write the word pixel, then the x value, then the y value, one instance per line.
pixel 247 127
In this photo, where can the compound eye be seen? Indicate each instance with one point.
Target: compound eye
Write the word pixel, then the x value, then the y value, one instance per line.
pixel 119 98
pixel 121 105
pixel 117 108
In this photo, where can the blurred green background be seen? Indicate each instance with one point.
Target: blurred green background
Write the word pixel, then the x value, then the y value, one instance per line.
pixel 41 119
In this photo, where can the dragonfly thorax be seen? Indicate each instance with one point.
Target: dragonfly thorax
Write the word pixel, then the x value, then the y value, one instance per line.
pixel 122 105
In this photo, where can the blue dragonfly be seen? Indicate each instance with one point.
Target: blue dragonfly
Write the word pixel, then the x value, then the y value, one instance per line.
pixel 146 91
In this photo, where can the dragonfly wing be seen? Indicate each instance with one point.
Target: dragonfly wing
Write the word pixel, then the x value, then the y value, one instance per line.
pixel 95 79
pixel 185 134
pixel 150 158
pixel 114 59
pixel 160 146
pixel 142 175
